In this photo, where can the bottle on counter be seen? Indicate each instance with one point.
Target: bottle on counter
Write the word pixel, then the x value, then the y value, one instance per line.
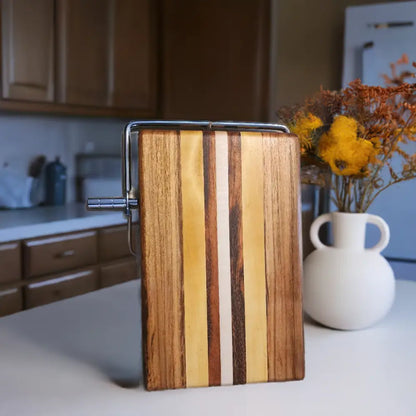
pixel 55 183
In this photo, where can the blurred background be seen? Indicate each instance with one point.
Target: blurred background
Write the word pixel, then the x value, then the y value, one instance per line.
pixel 73 72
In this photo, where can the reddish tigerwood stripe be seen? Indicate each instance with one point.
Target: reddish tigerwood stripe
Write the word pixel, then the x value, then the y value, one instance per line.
pixel 211 250
pixel 236 255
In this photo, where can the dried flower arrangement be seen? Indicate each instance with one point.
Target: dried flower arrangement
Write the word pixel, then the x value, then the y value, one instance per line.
pixel 349 138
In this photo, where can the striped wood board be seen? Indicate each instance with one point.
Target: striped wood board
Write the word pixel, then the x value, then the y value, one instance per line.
pixel 221 259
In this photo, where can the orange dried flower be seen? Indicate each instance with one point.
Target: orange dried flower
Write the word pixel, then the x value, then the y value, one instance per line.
pixel 361 129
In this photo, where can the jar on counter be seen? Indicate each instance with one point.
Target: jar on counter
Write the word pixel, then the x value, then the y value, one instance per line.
pixel 55 183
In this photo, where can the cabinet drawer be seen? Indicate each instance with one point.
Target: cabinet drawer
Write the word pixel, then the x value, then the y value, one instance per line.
pixel 118 272
pixel 10 262
pixel 60 253
pixel 112 243
pixel 61 287
pixel 10 301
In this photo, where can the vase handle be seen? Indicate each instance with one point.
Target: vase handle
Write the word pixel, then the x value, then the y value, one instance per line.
pixel 384 231
pixel 316 225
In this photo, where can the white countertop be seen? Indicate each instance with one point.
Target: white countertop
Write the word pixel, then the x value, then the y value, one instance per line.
pixel 82 357
pixel 25 223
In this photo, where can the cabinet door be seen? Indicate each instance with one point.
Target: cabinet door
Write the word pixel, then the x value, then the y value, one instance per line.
pixel 10 262
pixel 10 301
pixel 215 59
pixel 134 55
pixel 106 55
pixel 112 243
pixel 83 52
pixel 118 272
pixel 27 30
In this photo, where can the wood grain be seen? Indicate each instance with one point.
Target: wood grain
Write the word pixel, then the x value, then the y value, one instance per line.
pixel 253 253
pixel 194 263
pixel 161 260
pixel 236 258
pixel 282 249
pixel 214 358
pixel 221 261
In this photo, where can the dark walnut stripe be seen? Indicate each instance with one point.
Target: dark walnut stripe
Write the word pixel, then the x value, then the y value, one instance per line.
pixel 214 357
pixel 236 259
pixel 161 260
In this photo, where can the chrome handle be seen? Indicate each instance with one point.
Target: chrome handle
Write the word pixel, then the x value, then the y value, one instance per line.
pixel 129 199
pixel 116 204
pixel 66 253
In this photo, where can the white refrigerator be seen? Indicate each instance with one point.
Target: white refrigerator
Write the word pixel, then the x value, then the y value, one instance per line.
pixel 375 36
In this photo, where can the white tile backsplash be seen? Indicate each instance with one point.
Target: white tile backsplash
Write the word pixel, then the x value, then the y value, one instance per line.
pixel 23 137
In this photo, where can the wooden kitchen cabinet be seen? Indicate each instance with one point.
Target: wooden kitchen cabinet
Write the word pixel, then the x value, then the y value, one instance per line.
pixel 118 271
pixel 134 60
pixel 169 59
pixel 49 268
pixel 86 57
pixel 10 262
pixel 27 57
pixel 215 59
pixel 112 243
pixel 11 301
pixel 61 286
pixel 83 53
pixel 58 253
pixel 105 54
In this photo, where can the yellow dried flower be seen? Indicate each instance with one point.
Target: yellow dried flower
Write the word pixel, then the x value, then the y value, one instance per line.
pixel 377 125
pixel 303 128
pixel 344 151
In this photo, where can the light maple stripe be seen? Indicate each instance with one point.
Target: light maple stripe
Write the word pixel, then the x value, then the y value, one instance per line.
pixel 194 262
pixel 224 276
pixel 253 254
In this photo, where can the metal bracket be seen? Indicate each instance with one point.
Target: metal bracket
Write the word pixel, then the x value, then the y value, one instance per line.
pixel 130 200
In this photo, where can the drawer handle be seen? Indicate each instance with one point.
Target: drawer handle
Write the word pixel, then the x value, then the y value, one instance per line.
pixel 66 253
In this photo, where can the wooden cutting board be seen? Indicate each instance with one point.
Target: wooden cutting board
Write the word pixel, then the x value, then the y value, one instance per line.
pixel 220 258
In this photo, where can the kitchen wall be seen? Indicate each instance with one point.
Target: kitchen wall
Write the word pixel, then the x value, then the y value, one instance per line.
pixel 23 137
pixel 309 47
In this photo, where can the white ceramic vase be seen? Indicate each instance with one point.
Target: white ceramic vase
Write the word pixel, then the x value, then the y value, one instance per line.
pixel 347 286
